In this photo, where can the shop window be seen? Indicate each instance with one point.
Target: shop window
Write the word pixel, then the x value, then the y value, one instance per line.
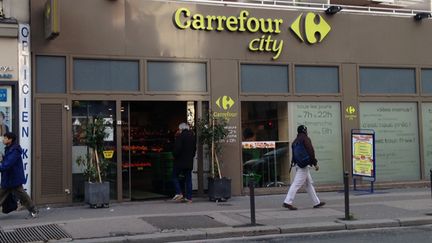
pixel 265 146
pixel 396 139
pixel 426 81
pixel 427 137
pixel 316 79
pixel 50 74
pixel 323 120
pixel 84 112
pixel 106 75
pixel 177 77
pixel 264 78
pixel 387 80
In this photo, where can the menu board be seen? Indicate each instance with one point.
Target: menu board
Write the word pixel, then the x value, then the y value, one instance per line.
pixel 396 139
pixel 323 120
pixel 363 162
pixel 427 136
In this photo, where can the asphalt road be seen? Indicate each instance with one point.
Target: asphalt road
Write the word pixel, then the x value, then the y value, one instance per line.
pixel 417 234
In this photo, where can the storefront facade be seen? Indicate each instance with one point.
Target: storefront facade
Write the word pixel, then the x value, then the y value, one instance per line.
pixel 146 66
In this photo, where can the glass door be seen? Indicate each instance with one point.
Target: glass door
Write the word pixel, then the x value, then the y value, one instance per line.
pixel 148 133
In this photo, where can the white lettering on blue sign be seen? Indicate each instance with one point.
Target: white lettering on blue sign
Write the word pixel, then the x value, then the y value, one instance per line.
pixel 24 98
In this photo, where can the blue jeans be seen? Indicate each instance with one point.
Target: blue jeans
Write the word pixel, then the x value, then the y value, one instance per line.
pixel 187 173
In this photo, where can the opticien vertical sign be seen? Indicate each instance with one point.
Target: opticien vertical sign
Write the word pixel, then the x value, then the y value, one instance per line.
pixel 24 84
pixel 313 24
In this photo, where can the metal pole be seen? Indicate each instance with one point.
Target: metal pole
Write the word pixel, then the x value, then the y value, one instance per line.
pixel 431 180
pixel 252 199
pixel 346 190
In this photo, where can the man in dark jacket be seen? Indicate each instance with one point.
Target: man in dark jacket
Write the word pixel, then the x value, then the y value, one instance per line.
pixel 303 175
pixel 12 174
pixel 184 153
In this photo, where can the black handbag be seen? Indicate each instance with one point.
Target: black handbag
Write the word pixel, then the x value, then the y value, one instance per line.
pixel 10 204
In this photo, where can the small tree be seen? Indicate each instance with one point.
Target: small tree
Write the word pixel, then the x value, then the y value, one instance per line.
pixel 211 132
pixel 93 162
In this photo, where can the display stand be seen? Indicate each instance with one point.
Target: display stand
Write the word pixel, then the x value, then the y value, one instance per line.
pixel 363 157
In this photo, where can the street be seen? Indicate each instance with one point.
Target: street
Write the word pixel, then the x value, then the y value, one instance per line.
pixel 416 234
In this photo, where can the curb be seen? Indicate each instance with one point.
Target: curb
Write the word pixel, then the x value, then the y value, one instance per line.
pixel 230 232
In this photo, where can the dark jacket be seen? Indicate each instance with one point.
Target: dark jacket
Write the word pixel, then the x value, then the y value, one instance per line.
pixel 303 138
pixel 184 150
pixel 11 168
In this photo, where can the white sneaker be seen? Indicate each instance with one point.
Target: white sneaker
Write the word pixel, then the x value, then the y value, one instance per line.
pixel 34 214
pixel 177 197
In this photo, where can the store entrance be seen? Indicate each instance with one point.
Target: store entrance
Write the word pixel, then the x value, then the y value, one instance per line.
pixel 148 130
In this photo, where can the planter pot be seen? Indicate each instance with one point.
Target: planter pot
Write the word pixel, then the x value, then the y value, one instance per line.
pixel 219 189
pixel 97 194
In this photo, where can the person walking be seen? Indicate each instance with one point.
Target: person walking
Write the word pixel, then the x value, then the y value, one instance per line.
pixel 184 153
pixel 303 175
pixel 12 174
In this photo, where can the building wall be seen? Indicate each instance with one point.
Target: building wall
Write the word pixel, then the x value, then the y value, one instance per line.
pixel 145 30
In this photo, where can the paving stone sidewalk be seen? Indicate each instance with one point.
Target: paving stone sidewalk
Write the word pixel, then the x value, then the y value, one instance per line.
pixel 164 220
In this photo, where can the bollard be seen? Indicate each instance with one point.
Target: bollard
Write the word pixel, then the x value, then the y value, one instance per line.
pixel 252 199
pixel 346 190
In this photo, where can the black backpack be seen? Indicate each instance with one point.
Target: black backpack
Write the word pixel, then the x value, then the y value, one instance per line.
pixel 300 156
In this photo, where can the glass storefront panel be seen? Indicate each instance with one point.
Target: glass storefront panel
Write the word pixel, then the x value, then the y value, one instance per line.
pixel 6 114
pixel 265 147
pixel 148 135
pixel 426 81
pixel 177 76
pixel 105 75
pixel 264 78
pixel 387 80
pixel 50 74
pixel 323 120
pixel 314 79
pixel 396 139
pixel 84 112
pixel 427 137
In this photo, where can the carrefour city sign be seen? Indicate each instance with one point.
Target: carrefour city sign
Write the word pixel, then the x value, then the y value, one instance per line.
pixel 305 27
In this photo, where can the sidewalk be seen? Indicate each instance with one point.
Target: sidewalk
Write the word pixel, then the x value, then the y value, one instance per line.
pixel 164 220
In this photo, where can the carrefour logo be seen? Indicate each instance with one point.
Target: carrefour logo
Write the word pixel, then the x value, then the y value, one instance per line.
pixel 225 102
pixel 267 30
pixel 311 28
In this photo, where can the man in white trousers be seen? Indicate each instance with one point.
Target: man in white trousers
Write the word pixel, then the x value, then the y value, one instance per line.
pixel 303 175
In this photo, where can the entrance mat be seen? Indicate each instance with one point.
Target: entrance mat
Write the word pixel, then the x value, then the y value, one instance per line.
pixel 183 222
pixel 41 233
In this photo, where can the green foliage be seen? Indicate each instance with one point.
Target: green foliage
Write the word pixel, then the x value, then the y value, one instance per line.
pixel 94 163
pixel 212 132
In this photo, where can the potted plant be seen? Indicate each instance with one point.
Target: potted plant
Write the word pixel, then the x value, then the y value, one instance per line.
pixel 96 189
pixel 211 132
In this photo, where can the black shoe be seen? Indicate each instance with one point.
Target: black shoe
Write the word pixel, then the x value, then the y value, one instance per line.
pixel 319 205
pixel 289 206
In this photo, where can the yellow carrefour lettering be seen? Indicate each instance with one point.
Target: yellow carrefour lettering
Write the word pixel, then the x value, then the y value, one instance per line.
pixel 220 21
pixel 252 44
pixel 312 28
pixel 277 49
pixel 231 23
pixel 240 23
pixel 210 19
pixel 198 22
pixel 177 15
pixel 242 18
pixel 253 27
pixel 278 23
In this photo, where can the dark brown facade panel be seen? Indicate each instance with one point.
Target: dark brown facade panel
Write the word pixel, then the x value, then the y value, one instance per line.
pixel 51 149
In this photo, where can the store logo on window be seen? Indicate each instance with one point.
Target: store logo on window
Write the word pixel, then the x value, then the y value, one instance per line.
pixel 311 28
pixel 225 102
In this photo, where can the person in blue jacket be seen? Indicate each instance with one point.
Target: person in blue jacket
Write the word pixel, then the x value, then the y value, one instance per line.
pixel 12 174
